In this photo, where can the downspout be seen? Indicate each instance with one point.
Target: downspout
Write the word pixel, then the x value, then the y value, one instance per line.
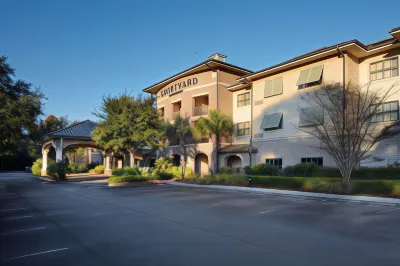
pixel 251 121
pixel 344 90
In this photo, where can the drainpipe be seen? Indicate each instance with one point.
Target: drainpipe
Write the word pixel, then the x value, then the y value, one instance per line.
pixel 344 87
pixel 251 121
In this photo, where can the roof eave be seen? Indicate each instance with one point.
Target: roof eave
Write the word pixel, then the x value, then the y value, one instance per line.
pixel 210 63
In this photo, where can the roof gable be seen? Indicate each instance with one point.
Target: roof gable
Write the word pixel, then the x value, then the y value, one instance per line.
pixel 83 129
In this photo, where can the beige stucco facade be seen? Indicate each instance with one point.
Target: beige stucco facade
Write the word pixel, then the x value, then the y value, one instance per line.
pixel 192 96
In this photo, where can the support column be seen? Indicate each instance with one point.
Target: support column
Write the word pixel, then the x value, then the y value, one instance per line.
pixel 107 164
pixel 44 162
pixel 131 160
pixel 89 155
pixel 59 154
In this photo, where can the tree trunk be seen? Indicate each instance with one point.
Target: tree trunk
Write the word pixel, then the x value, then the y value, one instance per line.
pixel 214 159
pixel 346 173
pixel 183 159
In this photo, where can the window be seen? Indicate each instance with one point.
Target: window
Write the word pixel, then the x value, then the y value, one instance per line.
pixel 317 160
pixel 161 112
pixel 311 116
pixel 384 69
pixel 243 129
pixel 310 77
pixel 273 87
pixel 386 112
pixel 276 161
pixel 272 121
pixel 243 99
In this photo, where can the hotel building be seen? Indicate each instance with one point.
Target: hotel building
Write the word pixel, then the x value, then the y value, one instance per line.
pixel 266 107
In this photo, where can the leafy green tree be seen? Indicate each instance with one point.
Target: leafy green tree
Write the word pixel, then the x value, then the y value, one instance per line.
pixel 215 126
pixel 127 122
pixel 182 131
pixel 20 107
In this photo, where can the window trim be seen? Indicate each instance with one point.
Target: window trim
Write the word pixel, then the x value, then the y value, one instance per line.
pixel 273 159
pixel 383 112
pixel 243 129
pixel 305 158
pixel 383 69
pixel 243 100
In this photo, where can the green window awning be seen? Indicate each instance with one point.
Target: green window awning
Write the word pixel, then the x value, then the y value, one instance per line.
pixel 310 75
pixel 311 116
pixel 271 121
pixel 273 87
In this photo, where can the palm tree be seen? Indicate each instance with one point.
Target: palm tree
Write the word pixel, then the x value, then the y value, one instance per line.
pixel 181 130
pixel 215 126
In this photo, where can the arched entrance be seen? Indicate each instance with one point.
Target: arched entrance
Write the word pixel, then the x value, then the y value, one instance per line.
pixel 176 160
pixel 201 164
pixel 235 162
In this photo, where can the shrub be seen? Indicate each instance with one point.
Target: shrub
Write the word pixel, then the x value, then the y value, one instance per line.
pixel 127 178
pixel 99 169
pixel 279 182
pixel 145 170
pixel 165 175
pixel 163 163
pixel 83 168
pixel 176 171
pixel 57 170
pixel 301 169
pixel 37 167
pixel 262 169
pixel 226 170
pixel 376 173
pixel 117 172
pixel 91 166
pixel 372 187
pixel 131 171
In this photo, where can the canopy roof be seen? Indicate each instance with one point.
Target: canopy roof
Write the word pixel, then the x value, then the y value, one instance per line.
pixel 82 130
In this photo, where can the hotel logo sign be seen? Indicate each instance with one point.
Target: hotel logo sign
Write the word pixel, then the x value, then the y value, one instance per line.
pixel 179 86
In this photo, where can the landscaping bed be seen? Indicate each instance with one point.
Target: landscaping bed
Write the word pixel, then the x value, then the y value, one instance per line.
pixel 387 188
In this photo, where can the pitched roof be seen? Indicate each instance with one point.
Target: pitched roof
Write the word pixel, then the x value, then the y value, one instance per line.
pixel 205 65
pixel 237 148
pixel 83 129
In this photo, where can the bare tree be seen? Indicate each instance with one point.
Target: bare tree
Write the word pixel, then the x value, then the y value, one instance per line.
pixel 343 120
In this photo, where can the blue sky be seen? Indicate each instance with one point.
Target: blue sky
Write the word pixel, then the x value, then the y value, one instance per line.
pixel 77 51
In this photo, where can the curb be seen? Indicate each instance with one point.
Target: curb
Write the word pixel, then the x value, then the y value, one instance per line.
pixel 43 178
pixel 360 199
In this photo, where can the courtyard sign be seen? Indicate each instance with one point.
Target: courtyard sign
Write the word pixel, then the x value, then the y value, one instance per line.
pixel 179 86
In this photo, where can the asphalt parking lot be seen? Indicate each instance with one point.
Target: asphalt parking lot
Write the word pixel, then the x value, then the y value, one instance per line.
pixel 44 223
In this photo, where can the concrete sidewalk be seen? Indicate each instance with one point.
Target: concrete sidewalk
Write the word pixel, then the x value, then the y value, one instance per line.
pixel 366 199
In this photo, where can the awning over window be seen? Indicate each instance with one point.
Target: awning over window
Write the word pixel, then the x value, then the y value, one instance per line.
pixel 273 87
pixel 271 121
pixel 311 116
pixel 310 75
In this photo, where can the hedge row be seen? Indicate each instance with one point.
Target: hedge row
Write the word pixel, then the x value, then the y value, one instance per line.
pixel 313 170
pixel 127 178
pixel 316 184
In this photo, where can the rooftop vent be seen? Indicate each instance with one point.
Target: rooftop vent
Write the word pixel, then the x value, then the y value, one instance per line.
pixel 219 57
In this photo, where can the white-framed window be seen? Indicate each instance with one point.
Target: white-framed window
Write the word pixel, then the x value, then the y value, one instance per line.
pixel 243 129
pixel 317 160
pixel 388 111
pixel 384 69
pixel 274 161
pixel 243 99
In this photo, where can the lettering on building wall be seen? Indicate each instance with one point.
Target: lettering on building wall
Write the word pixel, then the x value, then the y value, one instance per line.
pixel 179 86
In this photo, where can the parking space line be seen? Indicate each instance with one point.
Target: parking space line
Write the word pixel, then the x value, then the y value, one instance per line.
pixel 269 211
pixel 9 198
pixel 9 210
pixel 215 204
pixel 34 254
pixel 21 231
pixel 389 210
pixel 19 217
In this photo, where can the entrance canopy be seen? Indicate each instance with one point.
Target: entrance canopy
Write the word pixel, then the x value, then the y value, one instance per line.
pixel 78 135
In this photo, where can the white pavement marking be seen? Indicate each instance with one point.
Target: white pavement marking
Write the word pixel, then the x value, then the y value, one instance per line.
pixel 19 217
pixel 215 204
pixel 34 254
pixel 9 198
pixel 25 230
pixel 389 210
pixel 269 211
pixel 9 210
